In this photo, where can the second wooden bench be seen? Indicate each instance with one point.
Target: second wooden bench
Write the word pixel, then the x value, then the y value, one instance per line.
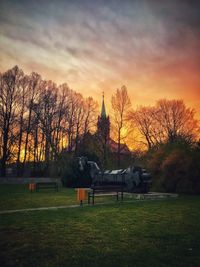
pixel 103 190
pixel 46 185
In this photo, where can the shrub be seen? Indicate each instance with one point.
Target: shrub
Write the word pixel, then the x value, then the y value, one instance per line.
pixel 175 168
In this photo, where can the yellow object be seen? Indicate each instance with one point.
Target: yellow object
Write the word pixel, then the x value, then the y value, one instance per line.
pixel 80 194
pixel 32 187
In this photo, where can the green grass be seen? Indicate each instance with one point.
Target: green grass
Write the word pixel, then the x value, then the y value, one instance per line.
pixel 19 197
pixel 144 233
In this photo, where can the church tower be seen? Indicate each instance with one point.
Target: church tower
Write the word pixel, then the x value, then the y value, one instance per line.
pixel 103 124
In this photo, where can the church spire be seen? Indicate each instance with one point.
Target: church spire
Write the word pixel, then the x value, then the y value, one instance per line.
pixel 103 109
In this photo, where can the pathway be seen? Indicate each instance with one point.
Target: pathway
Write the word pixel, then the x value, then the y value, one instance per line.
pixel 138 198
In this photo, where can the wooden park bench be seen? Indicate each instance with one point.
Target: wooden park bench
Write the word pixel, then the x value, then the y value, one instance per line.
pixel 106 190
pixel 46 185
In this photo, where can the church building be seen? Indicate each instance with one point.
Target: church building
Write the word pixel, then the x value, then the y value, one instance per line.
pixel 103 131
pixel 103 125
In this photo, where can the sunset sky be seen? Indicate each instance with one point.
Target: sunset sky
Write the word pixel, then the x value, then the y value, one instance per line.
pixel 152 47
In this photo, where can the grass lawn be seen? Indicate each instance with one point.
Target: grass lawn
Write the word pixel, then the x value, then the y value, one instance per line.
pixel 19 197
pixel 13 197
pixel 141 233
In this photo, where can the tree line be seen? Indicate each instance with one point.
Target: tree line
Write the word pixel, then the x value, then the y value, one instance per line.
pixel 39 119
pixel 167 121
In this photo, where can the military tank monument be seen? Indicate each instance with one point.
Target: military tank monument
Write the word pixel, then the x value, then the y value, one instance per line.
pixel 134 178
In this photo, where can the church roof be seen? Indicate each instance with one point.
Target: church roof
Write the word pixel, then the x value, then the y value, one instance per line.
pixel 114 147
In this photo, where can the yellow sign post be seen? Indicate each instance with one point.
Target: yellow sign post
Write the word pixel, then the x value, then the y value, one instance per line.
pixel 31 187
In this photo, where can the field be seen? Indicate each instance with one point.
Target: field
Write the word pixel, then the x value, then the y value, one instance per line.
pixel 138 233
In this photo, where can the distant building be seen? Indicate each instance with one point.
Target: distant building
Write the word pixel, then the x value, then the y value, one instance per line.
pixel 103 125
pixel 103 131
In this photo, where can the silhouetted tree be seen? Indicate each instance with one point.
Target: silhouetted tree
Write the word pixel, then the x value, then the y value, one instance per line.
pixel 24 82
pixel 33 91
pixel 121 105
pixel 167 121
pixel 176 120
pixel 9 100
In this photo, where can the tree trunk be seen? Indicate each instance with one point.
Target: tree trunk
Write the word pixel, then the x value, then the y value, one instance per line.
pixel 119 149
pixel 19 145
pixel 5 152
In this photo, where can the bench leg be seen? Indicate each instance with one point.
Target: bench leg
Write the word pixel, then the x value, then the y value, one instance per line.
pixel 117 196
pixel 88 198
pixel 93 199
pixel 122 195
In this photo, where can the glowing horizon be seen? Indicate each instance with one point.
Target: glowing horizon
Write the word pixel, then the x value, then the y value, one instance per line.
pixel 150 46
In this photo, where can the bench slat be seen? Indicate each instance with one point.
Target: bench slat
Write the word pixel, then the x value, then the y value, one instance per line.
pixel 46 185
pixel 109 190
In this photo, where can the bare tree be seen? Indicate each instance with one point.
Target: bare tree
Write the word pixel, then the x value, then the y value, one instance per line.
pixel 167 121
pixel 176 120
pixel 60 121
pixel 71 119
pixel 22 109
pixel 9 100
pixel 143 120
pixel 79 115
pixel 46 110
pixel 33 86
pixel 121 105
pixel 90 115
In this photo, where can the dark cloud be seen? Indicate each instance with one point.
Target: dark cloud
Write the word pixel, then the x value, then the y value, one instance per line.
pixel 178 12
